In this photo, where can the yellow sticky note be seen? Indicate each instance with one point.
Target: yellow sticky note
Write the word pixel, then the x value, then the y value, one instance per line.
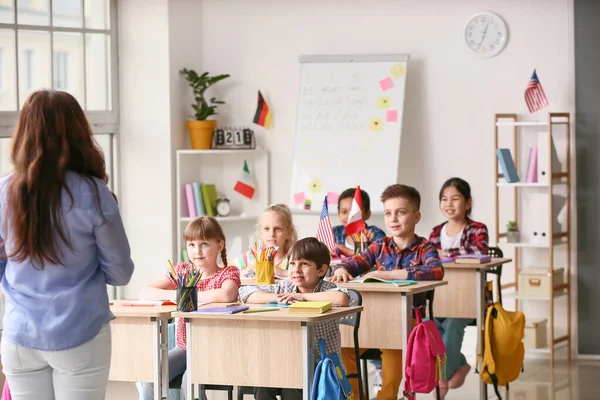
pixel 384 102
pixel 315 185
pixel 398 70
pixel 376 124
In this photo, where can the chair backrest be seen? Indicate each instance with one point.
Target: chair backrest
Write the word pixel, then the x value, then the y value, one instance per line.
pixel 495 252
pixel 355 299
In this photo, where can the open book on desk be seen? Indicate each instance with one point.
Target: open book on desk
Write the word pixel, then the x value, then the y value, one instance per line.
pixel 395 282
pixel 149 303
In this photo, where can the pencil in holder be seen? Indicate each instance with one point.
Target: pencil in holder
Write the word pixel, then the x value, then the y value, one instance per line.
pixel 265 272
pixel 187 299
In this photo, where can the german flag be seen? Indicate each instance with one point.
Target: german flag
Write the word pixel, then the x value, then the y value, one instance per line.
pixel 263 114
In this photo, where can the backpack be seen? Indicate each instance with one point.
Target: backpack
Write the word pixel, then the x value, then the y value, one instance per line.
pixel 330 381
pixel 503 351
pixel 425 358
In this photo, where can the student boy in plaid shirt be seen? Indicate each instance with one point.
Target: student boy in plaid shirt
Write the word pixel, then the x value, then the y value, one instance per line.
pixel 403 255
pixel 309 261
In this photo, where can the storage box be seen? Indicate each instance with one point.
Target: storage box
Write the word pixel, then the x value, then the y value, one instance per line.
pixel 536 281
pixel 536 336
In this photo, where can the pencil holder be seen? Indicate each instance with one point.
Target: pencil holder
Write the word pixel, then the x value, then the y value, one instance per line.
pixel 187 299
pixel 265 272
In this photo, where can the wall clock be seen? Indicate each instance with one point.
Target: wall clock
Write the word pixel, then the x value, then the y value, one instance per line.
pixel 486 34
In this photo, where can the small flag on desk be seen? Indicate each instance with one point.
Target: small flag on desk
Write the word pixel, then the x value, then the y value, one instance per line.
pixel 263 115
pixel 245 186
pixel 325 231
pixel 534 94
pixel 355 222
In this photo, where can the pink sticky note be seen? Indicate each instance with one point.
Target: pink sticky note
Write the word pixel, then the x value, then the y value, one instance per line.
pixel 332 198
pixel 391 116
pixel 386 84
pixel 299 198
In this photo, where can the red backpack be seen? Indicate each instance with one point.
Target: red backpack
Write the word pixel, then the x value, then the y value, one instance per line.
pixel 425 358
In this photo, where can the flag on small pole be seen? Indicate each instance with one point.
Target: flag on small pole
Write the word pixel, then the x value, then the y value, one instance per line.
pixel 355 222
pixel 263 115
pixel 245 186
pixel 325 231
pixel 534 94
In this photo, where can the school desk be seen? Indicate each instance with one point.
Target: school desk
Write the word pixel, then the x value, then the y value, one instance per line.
pixel 140 345
pixel 386 321
pixel 269 349
pixel 464 297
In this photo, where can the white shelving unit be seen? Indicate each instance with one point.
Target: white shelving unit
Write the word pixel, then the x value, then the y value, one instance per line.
pixel 223 168
pixel 553 236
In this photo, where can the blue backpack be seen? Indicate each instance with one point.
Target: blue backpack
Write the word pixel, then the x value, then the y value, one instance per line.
pixel 330 381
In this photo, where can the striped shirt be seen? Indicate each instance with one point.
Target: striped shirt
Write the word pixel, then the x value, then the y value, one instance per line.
pixel 474 239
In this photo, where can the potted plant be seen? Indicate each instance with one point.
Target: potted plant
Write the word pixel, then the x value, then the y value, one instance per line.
pixel 201 128
pixel 512 234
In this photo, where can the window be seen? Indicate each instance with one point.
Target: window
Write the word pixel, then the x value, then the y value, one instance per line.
pixel 28 69
pixel 61 70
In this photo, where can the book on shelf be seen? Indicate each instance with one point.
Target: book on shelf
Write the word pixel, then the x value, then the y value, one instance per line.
pixel 508 166
pixel 546 147
pixel 209 195
pixel 189 199
pixel 198 199
pixel 395 282
pixel 309 307
pixel 149 303
pixel 532 169
pixel 473 259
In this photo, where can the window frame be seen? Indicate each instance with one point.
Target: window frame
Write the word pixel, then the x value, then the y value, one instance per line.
pixel 100 121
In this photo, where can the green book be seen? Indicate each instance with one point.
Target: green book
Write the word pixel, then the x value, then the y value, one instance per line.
pixel 209 195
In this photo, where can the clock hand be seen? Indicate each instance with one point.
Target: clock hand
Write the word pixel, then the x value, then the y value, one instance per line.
pixel 484 34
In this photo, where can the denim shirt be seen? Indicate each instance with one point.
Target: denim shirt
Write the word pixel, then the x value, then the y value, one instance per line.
pixel 63 306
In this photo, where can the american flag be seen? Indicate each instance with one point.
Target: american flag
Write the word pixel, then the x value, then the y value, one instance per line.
pixel 534 94
pixel 325 231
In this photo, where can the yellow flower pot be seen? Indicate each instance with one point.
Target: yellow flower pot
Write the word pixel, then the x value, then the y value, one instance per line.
pixel 201 133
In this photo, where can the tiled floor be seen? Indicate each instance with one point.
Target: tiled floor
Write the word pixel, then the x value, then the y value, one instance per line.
pixel 578 381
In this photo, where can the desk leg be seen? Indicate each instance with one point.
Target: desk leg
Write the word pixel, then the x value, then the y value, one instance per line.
pixel 157 359
pixel 480 284
pixel 189 390
pixel 308 355
pixel 164 349
pixel 407 312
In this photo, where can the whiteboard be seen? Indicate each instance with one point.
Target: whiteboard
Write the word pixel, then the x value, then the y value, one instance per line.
pixel 348 128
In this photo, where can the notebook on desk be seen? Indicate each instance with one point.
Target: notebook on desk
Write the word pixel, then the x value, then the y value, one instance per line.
pixel 222 310
pixel 149 303
pixel 395 282
pixel 473 259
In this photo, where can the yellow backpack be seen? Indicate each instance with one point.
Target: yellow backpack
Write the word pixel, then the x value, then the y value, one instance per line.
pixel 504 352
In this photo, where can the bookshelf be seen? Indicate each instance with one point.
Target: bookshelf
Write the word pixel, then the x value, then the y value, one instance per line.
pixel 223 168
pixel 537 216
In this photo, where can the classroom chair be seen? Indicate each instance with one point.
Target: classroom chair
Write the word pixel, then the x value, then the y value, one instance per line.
pixel 496 252
pixel 353 320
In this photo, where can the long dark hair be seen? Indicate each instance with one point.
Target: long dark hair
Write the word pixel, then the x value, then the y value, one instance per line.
pixel 52 137
pixel 463 188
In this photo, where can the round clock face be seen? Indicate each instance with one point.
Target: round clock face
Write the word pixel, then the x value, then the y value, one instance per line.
pixel 223 208
pixel 486 34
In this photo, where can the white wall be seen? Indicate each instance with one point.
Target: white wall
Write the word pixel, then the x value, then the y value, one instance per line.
pixel 451 95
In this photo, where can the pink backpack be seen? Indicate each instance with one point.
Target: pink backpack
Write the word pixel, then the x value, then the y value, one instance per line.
pixel 425 358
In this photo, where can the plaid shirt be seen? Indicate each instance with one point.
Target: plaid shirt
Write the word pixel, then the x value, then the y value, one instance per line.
pixel 420 259
pixel 214 282
pixel 330 330
pixel 373 233
pixel 474 239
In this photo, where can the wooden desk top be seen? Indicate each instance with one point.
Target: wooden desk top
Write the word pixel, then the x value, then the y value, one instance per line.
pixel 119 310
pixel 281 315
pixel 495 262
pixel 420 287
pixel 252 281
